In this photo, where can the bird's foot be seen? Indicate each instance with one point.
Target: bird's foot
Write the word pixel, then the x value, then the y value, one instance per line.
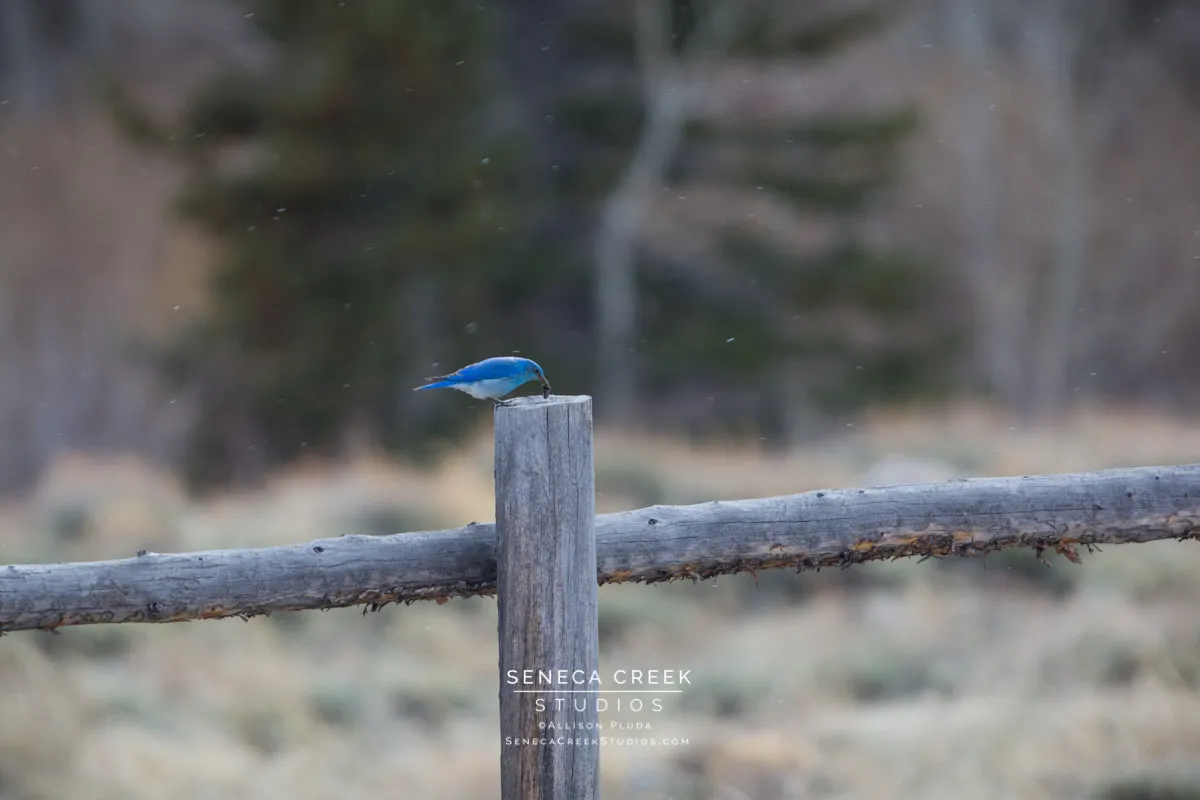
pixel 498 403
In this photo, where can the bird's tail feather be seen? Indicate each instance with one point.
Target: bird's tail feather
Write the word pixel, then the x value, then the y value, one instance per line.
pixel 438 385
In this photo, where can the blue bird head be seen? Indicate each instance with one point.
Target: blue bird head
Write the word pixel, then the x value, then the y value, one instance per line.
pixel 533 372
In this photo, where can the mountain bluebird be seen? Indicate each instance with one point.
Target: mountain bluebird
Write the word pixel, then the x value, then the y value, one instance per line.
pixel 492 378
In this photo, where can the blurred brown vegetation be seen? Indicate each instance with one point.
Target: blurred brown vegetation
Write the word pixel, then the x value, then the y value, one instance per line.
pixel 966 678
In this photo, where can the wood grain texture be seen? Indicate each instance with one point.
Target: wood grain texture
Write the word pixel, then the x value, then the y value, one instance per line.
pixel 546 591
pixel 802 531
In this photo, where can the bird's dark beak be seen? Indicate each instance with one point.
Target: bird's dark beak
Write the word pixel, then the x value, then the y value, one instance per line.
pixel 545 387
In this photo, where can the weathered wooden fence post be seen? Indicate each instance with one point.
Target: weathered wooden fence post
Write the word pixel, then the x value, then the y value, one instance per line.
pixel 546 590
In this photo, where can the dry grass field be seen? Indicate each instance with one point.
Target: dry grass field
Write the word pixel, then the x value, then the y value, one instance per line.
pixel 965 679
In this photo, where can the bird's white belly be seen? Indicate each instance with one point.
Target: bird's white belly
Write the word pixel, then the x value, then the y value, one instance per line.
pixel 487 390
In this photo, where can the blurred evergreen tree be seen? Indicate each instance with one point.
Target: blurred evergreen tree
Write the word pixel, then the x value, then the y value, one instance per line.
pixel 371 215
pixel 806 332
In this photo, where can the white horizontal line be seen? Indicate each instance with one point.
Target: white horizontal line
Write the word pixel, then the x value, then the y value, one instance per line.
pixel 597 691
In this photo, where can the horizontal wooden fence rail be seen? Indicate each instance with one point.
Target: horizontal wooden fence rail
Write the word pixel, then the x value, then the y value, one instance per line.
pixel 802 531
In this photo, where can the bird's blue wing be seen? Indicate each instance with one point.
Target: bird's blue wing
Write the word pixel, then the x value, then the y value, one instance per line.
pixel 488 369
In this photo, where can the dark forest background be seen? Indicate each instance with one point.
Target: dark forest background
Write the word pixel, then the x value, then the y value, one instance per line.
pixel 237 233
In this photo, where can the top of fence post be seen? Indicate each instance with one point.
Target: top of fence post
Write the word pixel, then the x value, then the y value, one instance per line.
pixel 546 591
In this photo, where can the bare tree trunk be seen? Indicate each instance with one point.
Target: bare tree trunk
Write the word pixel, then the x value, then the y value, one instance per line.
pixel 616 281
pixel 1055 53
pixel 668 83
pixel 998 336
